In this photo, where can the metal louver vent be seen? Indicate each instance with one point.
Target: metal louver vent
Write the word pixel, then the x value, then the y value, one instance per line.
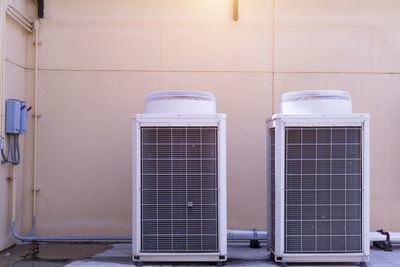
pixel 179 189
pixel 323 190
pixel 271 191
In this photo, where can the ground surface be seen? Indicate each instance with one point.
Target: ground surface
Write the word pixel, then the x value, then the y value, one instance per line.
pixel 119 255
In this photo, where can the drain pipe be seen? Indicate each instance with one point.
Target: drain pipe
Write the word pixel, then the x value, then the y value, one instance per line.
pixel 14 202
pixel 36 115
pixel 66 238
pixel 30 237
pixel 3 9
pixel 247 235
pixel 255 237
pixel 14 194
pixel 13 177
pixel 232 235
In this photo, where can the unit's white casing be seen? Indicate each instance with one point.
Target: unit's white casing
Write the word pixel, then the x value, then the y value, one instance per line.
pixel 180 102
pixel 180 112
pixel 316 101
pixel 279 122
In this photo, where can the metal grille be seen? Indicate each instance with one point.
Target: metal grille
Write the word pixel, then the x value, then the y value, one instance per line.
pixel 323 190
pixel 271 191
pixel 179 189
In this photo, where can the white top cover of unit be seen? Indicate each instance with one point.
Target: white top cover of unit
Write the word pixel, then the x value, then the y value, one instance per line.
pixel 180 102
pixel 316 101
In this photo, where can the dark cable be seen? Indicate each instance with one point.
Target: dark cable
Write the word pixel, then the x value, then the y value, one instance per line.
pixel 5 159
pixel 17 148
pixel 10 157
pixel 13 154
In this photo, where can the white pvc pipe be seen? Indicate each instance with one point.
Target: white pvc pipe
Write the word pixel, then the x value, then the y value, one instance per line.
pixel 2 64
pixel 35 116
pixel 394 237
pixel 245 234
pixel 14 192
pixel 376 236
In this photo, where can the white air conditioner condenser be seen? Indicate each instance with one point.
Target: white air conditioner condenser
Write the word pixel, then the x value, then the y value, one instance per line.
pixel 179 179
pixel 318 179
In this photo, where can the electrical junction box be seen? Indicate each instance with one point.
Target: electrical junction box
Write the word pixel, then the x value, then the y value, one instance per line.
pixel 16 116
pixel 13 116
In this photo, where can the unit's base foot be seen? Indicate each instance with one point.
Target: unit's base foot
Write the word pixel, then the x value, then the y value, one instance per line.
pixel 363 264
pixel 271 257
pixel 283 264
pixel 219 263
pixel 139 263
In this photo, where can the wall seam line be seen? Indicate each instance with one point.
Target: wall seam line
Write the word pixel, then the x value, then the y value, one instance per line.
pixel 16 64
pixel 273 57
pixel 207 71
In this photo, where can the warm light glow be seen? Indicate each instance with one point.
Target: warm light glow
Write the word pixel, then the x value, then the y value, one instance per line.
pixel 235 10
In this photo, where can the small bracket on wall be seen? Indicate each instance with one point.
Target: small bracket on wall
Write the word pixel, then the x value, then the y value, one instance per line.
pixel 36 43
pixel 37 190
pixel 37 115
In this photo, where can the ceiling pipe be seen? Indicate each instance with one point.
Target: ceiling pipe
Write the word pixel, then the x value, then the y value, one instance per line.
pixel 19 17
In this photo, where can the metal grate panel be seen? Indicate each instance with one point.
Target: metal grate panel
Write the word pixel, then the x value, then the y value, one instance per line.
pixel 271 191
pixel 179 189
pixel 323 190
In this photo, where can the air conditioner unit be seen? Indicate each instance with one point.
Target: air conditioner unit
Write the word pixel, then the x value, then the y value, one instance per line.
pixel 179 179
pixel 318 179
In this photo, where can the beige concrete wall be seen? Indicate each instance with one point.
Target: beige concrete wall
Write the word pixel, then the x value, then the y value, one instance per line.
pixel 99 59
pixel 15 86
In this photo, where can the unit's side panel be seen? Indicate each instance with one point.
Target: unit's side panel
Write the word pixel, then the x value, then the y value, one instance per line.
pixel 279 186
pixel 366 188
pixel 222 174
pixel 136 170
pixel 271 188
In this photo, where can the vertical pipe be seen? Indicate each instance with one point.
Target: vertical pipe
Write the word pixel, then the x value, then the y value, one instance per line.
pixel 273 57
pixel 3 9
pixel 36 27
pixel 14 192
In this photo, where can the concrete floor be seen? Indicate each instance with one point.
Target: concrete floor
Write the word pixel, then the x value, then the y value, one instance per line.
pixel 119 255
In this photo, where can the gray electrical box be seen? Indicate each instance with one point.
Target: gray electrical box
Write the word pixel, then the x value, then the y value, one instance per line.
pixel 16 116
pixel 13 116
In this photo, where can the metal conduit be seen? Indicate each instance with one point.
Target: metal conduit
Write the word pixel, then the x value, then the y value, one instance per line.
pixel 65 238
pixel 232 235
